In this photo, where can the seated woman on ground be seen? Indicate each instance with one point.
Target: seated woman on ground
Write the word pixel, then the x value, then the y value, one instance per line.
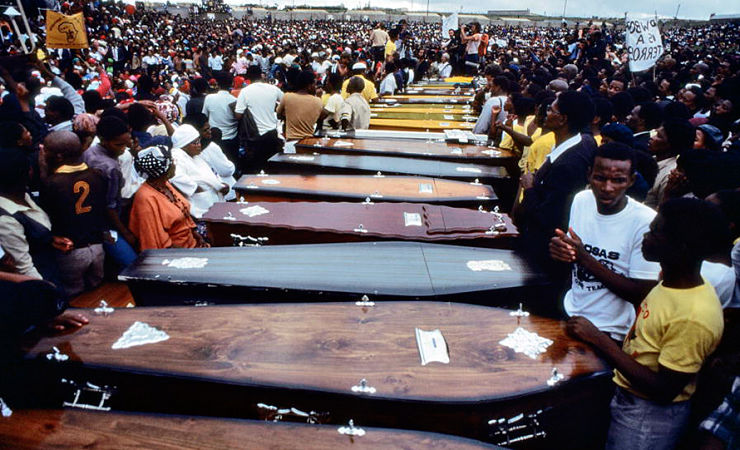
pixel 160 216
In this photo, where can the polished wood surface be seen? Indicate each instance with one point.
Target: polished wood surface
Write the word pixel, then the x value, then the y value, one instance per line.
pixel 389 188
pixel 74 429
pixel 422 95
pixel 331 347
pixel 479 154
pixel 430 91
pixel 387 165
pixel 409 109
pixel 329 272
pixel 115 293
pixel 441 116
pixel 419 125
pixel 315 222
pixel 422 100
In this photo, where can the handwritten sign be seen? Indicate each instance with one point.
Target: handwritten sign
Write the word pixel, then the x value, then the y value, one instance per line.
pixel 64 31
pixel 644 44
pixel 449 23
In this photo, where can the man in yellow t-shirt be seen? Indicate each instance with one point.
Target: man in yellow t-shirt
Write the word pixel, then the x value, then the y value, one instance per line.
pixel 369 92
pixel 390 45
pixel 678 325
pixel 538 151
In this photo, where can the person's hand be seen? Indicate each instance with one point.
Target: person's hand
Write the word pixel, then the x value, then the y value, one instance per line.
pixel 582 328
pixel 224 188
pixel 495 110
pixel 573 245
pixel 67 322
pixel 62 244
pixel 677 185
pixel 7 263
pixel 560 250
pixel 510 120
pixel 527 180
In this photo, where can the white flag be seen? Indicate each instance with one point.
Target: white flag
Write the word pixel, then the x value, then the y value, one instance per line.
pixel 449 23
pixel 644 44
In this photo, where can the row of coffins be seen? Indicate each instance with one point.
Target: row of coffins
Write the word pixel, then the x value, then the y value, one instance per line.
pixel 328 302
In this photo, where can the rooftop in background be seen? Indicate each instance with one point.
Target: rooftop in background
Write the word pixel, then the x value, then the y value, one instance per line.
pixel 509 12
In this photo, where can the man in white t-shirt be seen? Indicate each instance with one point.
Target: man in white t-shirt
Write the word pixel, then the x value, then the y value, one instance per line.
pixel 261 99
pixel 219 108
pixel 610 275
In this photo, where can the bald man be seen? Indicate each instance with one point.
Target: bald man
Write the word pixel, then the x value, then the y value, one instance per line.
pixel 74 197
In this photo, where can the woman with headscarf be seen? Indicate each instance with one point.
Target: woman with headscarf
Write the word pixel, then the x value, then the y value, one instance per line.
pixel 160 216
pixel 194 177
pixel 85 127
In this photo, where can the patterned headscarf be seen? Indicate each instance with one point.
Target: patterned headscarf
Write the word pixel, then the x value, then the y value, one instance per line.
pixel 169 109
pixel 85 123
pixel 153 161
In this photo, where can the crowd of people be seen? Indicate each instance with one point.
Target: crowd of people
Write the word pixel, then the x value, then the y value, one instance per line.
pixel 122 147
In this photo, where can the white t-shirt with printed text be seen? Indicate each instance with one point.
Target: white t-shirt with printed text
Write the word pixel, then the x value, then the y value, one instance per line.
pixel 616 242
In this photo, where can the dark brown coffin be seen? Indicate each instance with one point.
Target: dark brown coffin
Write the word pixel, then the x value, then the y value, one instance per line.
pixel 225 360
pixel 332 272
pixel 74 429
pixel 319 222
pixel 410 148
pixel 272 188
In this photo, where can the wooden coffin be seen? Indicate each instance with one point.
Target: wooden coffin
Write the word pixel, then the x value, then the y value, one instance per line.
pixel 439 115
pixel 331 272
pixel 319 222
pixel 439 91
pixel 320 163
pixel 336 362
pixel 397 107
pixel 422 109
pixel 73 429
pixel 423 100
pixel 268 188
pixel 445 151
pixel 419 125
pixel 392 135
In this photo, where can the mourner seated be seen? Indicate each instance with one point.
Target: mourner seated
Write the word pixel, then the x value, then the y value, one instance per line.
pixel 74 195
pixel 193 176
pixel 160 216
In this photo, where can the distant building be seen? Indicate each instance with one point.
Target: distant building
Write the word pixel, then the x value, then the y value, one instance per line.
pixel 509 12
pixel 724 18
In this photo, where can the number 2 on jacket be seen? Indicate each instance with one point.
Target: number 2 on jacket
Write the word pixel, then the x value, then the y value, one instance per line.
pixel 83 188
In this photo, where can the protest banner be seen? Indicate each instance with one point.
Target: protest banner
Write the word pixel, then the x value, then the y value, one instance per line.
pixel 64 31
pixel 449 23
pixel 643 41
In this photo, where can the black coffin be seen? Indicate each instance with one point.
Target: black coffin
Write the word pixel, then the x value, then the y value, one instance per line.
pixel 332 272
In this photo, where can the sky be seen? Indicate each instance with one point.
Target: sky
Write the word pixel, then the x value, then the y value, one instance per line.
pixel 689 9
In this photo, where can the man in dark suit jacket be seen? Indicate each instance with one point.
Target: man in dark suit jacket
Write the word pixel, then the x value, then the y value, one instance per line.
pixel 642 120
pixel 120 56
pixel 549 193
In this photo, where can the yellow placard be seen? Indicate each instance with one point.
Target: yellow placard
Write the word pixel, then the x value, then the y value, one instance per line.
pixel 65 31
